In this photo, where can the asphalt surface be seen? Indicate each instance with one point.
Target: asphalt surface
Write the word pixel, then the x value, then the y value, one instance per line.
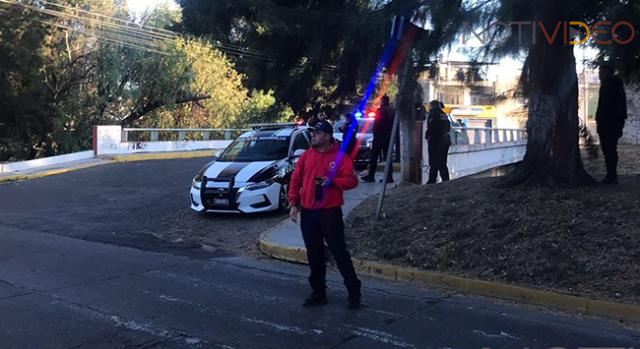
pixel 83 265
pixel 138 204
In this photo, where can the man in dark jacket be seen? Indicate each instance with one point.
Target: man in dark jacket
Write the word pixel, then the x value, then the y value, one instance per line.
pixel 382 127
pixel 438 141
pixel 610 117
pixel 315 191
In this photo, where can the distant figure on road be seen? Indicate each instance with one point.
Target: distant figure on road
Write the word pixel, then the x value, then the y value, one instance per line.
pixel 316 186
pixel 382 127
pixel 610 117
pixel 438 141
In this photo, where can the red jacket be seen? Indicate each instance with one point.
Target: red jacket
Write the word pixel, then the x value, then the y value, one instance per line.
pixel 314 164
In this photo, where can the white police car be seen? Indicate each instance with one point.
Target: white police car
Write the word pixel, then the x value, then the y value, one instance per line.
pixel 252 174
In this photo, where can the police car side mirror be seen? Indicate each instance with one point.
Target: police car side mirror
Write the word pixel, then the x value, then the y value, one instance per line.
pixel 297 153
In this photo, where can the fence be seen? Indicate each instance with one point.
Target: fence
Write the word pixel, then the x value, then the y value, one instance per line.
pixel 179 134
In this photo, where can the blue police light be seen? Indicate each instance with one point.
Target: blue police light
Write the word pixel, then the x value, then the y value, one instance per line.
pixel 358 114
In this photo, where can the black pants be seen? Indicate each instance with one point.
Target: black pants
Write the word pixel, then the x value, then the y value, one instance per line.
pixel 379 147
pixel 609 144
pixel 318 226
pixel 438 153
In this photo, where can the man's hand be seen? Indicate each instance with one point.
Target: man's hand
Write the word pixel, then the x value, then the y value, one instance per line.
pixel 293 214
pixel 326 182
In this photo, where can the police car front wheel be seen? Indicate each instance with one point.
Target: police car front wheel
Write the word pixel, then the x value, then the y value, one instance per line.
pixel 283 200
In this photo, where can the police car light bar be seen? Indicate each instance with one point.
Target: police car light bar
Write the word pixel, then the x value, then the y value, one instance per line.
pixel 273 125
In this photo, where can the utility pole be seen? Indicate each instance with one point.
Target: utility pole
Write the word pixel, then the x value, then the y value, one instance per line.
pixel 404 120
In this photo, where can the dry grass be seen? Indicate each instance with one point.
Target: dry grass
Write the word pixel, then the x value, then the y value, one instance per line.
pixel 583 241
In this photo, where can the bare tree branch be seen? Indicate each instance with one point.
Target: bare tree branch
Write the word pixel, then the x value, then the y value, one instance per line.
pixel 151 106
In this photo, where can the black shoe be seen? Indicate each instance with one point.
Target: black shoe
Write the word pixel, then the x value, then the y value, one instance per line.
pixel 609 180
pixel 315 299
pixel 353 302
pixel 369 179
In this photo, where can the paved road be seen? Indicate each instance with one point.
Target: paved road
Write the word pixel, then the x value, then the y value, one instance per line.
pixel 138 204
pixel 83 287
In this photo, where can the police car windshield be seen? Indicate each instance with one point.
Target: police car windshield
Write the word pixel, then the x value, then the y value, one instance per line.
pixel 256 149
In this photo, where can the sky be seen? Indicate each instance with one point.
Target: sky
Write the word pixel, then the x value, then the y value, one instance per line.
pixel 139 6
pixel 508 66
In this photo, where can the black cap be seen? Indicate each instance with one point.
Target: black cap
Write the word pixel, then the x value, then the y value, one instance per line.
pixel 323 126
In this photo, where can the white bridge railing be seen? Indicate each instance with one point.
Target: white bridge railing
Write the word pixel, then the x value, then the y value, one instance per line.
pixel 115 140
pixel 474 150
pixel 179 134
pixel 465 135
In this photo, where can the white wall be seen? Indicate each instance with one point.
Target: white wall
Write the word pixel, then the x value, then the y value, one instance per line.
pixel 464 160
pixel 48 161
pixel 108 142
pixel 631 132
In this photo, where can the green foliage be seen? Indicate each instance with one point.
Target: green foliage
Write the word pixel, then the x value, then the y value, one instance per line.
pixel 310 51
pixel 57 83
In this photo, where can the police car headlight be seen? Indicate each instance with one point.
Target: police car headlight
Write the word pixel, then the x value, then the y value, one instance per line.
pixel 258 186
pixel 197 180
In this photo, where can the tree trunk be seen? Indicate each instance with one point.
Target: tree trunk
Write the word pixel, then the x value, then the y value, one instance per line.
pixel 410 155
pixel 553 155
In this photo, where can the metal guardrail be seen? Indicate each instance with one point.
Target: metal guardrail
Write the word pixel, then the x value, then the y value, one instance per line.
pixel 482 135
pixel 180 134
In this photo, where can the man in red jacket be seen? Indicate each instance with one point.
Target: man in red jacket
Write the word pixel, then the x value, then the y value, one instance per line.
pixel 315 191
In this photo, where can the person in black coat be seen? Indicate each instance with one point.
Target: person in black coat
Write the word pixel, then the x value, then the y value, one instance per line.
pixel 382 127
pixel 610 117
pixel 438 141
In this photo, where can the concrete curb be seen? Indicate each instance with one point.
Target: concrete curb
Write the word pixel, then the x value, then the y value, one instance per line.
pixel 28 176
pixel 616 311
pixel 159 156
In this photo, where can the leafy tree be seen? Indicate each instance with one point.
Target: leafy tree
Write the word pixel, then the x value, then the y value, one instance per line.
pixel 82 63
pixel 23 95
pixel 550 82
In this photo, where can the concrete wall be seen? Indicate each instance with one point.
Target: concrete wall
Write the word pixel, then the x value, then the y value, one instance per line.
pixel 107 141
pixel 465 160
pixel 631 134
pixel 48 161
pixel 468 159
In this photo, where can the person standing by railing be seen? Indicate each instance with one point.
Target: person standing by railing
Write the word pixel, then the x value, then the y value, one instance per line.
pixel 610 118
pixel 438 141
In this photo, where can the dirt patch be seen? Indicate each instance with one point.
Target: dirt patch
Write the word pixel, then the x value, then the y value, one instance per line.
pixel 579 241
pixel 236 233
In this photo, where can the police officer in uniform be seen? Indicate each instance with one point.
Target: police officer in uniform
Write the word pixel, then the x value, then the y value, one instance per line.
pixel 438 141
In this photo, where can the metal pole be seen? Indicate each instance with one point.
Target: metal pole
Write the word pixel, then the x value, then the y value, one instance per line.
pixel 388 165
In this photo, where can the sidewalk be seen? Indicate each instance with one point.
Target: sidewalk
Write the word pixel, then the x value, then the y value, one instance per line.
pixel 285 240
